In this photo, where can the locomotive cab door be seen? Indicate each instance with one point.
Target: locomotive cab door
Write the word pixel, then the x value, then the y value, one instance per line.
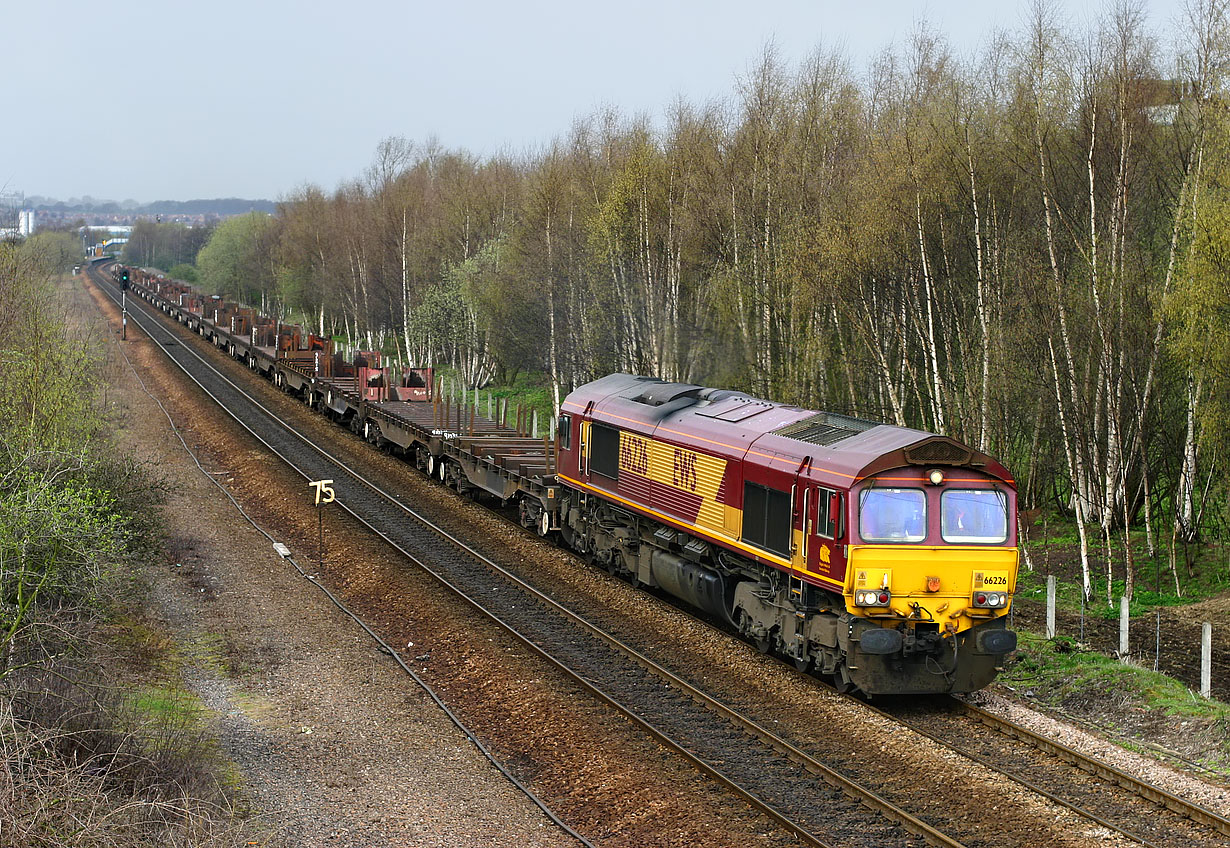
pixel 803 550
pixel 821 526
pixel 802 494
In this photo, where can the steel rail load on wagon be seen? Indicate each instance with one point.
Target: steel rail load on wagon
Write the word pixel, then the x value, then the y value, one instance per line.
pixel 880 555
pixel 400 410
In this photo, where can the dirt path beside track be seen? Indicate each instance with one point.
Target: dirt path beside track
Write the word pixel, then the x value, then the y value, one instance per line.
pixel 334 744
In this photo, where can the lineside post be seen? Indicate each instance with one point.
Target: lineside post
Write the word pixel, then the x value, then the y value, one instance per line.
pixel 1123 627
pixel 1206 660
pixel 1050 606
pixel 1157 642
pixel 324 495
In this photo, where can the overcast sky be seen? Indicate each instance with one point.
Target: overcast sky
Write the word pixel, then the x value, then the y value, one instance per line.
pixel 158 99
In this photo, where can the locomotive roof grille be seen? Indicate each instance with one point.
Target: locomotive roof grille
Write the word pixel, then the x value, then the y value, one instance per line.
pixel 825 428
pixel 938 452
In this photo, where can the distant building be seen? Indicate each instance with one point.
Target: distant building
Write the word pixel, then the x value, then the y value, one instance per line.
pixel 25 222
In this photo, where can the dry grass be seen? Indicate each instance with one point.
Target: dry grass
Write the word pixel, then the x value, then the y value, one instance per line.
pixel 86 767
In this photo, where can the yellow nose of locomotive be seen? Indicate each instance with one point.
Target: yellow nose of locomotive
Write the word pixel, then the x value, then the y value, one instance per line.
pixel 900 582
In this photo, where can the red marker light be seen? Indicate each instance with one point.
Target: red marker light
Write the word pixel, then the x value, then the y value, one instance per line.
pixel 884 597
pixel 980 598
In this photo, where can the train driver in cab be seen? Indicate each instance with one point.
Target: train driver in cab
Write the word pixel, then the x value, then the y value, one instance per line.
pixel 893 515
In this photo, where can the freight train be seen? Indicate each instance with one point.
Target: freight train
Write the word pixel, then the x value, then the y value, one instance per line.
pixel 882 557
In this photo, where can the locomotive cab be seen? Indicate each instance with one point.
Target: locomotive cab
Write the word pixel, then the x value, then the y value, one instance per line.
pixel 931 569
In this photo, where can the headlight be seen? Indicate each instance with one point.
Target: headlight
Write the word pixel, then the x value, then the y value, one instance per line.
pixel 872 597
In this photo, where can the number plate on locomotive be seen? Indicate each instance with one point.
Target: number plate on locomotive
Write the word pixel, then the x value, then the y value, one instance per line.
pixel 991 580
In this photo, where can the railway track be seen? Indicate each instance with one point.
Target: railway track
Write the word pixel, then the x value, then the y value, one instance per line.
pixel 796 791
pixel 787 783
pixel 1108 796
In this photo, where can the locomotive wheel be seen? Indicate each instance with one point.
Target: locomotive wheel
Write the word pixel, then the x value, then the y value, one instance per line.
pixel 803 664
pixel 841 678
pixel 764 643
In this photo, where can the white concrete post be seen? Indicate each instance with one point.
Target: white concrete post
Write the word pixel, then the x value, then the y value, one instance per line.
pixel 490 414
pixel 1123 627
pixel 535 433
pixel 1206 660
pixel 1050 606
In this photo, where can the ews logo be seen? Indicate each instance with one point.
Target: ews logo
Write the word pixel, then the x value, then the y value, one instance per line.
pixel 683 474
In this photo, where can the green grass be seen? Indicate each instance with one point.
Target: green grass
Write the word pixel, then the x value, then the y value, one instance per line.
pixel 1056 547
pixel 531 390
pixel 1144 709
pixel 1057 670
pixel 174 704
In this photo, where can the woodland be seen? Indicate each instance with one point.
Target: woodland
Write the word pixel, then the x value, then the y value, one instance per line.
pixel 1025 248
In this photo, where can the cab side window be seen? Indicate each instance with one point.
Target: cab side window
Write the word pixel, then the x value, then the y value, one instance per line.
pixel 563 432
pixel 826 519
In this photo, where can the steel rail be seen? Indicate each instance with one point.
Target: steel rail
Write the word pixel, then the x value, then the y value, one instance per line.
pixel 868 798
pixel 1086 763
pixel 1015 778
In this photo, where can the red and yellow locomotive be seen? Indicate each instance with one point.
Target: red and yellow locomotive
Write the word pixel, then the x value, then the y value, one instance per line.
pixel 881 555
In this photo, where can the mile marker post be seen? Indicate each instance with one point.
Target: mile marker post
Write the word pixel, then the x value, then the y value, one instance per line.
pixel 324 495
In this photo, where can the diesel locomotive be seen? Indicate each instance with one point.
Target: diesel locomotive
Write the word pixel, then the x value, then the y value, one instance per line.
pixel 883 556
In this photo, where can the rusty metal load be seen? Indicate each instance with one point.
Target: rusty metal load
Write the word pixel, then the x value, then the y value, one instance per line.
pixel 397 407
